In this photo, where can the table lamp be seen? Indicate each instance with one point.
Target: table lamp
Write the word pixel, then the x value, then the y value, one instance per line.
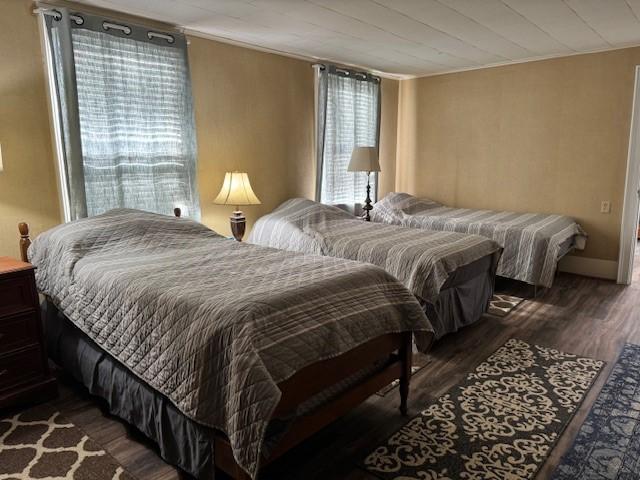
pixel 365 159
pixel 236 190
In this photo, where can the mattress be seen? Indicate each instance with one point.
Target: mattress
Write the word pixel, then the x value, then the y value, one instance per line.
pixel 532 242
pixel 213 324
pixel 421 260
pixel 567 246
pixel 187 444
pixel 180 440
pixel 433 265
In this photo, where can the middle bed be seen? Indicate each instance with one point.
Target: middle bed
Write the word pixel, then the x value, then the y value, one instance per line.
pixel 452 274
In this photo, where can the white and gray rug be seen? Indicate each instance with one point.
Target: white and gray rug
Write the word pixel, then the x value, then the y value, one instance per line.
pixel 40 443
pixel 502 305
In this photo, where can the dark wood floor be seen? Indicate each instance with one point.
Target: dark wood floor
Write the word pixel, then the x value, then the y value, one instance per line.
pixel 580 315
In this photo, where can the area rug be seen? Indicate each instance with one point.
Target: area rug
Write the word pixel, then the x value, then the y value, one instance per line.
pixel 41 443
pixel 608 443
pixel 501 422
pixel 419 362
pixel 502 305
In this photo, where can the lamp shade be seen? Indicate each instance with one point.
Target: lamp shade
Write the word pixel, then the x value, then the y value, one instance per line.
pixel 364 159
pixel 236 190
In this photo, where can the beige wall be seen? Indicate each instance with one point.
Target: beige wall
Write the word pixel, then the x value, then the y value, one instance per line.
pixel 547 136
pixel 388 136
pixel 28 184
pixel 254 113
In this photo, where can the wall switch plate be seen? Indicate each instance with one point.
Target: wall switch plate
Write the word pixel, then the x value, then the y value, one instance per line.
pixel 605 206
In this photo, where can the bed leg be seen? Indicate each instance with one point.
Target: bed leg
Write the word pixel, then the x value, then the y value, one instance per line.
pixel 406 354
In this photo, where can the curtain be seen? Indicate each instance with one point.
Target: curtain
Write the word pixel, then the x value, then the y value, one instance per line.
pixel 126 116
pixel 348 116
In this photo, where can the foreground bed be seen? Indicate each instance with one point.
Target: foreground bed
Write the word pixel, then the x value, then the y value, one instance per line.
pixel 206 344
pixel 451 274
pixel 533 242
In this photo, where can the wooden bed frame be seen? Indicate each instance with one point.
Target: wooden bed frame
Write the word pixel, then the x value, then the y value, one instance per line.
pixel 394 350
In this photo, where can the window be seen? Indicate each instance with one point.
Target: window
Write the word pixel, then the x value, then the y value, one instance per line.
pixel 125 115
pixel 348 116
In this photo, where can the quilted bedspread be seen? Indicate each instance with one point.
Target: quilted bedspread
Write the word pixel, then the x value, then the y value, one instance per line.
pixel 211 323
pixel 421 260
pixel 532 241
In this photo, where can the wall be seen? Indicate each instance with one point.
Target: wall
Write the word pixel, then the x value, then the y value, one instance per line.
pixel 548 136
pixel 28 189
pixel 254 113
pixel 388 136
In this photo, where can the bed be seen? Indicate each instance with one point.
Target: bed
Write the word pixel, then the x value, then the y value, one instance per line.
pixel 533 242
pixel 451 274
pixel 225 354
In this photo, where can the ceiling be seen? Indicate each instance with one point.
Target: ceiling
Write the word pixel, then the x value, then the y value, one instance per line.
pixel 406 37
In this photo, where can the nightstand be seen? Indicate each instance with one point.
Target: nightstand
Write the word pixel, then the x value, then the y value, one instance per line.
pixel 24 370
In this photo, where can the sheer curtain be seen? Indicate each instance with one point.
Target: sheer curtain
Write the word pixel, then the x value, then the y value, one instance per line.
pixel 348 117
pixel 126 115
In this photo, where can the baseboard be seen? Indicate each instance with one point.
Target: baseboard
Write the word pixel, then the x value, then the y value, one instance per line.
pixel 589 267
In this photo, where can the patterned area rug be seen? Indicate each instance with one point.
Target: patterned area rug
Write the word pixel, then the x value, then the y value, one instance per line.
pixel 502 305
pixel 608 443
pixel 40 443
pixel 501 422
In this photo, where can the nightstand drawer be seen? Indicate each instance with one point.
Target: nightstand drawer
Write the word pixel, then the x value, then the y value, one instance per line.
pixel 21 367
pixel 17 294
pixel 18 331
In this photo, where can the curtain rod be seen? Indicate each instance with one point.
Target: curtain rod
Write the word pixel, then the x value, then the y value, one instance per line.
pixel 151 34
pixel 347 71
pixel 52 12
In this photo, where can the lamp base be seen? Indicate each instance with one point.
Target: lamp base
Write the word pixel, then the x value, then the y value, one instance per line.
pixel 367 202
pixel 238 224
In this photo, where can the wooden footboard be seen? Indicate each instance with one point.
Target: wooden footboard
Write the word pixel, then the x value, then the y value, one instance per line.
pixel 393 351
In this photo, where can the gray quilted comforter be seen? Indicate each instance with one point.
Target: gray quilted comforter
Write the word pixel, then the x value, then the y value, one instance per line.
pixel 421 260
pixel 213 324
pixel 532 242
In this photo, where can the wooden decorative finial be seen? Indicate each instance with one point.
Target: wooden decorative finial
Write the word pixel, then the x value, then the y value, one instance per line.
pixel 177 212
pixel 25 241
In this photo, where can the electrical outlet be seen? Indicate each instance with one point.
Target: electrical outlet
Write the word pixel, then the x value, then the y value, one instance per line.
pixel 605 206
